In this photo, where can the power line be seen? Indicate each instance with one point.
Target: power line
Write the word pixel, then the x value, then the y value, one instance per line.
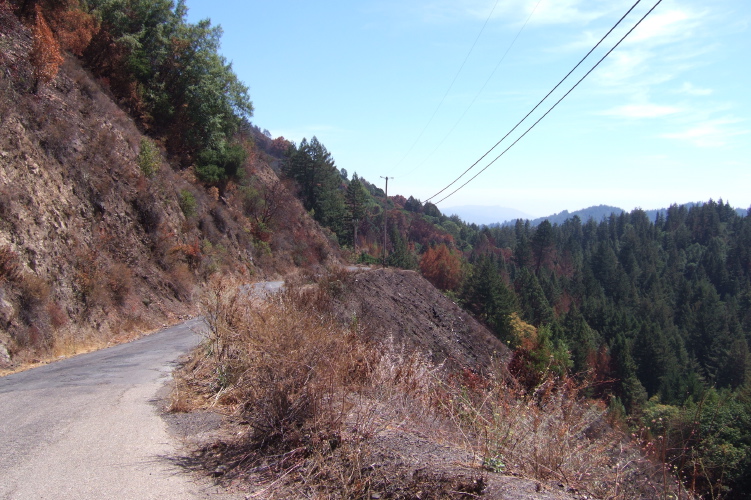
pixel 543 99
pixel 450 87
pixel 548 111
pixel 385 218
pixel 479 92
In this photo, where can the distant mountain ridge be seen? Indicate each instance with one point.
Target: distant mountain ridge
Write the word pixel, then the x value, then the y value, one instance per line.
pixel 499 216
pixel 485 215
pixel 597 213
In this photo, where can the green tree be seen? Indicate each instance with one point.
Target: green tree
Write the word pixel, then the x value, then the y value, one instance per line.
pixel 169 73
pixel 356 198
pixel 488 297
pixel 632 392
pixel 542 244
pixel 216 164
pixel 319 183
pixel 534 306
pixel 400 255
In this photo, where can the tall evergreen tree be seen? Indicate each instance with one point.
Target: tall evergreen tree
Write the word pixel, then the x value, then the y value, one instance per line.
pixel 312 167
pixel 487 296
pixel 356 199
pixel 535 307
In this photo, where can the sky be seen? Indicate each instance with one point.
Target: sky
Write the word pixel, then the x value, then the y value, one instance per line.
pixel 421 90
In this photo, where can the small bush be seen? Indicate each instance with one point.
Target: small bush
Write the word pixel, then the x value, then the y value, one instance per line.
pixel 148 158
pixel 291 368
pixel 34 293
pixel 214 165
pixel 58 316
pixel 187 202
pixel 46 55
pixel 89 282
pixel 120 282
pixel 10 267
pixel 146 207
pixel 181 281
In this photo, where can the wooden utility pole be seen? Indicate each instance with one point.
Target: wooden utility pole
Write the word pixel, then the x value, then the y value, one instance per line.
pixel 384 218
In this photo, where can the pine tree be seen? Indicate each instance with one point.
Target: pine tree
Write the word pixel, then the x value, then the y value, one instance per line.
pixel 356 199
pixel 487 296
pixel 535 307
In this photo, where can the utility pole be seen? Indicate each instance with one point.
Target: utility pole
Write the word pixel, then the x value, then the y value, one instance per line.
pixel 384 218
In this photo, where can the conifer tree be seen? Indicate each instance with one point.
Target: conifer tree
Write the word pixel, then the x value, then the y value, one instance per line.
pixel 356 199
pixel 487 296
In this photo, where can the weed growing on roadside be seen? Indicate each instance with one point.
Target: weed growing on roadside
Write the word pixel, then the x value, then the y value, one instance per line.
pixel 319 400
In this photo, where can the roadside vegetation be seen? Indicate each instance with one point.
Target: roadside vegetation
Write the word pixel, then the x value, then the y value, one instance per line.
pixel 325 413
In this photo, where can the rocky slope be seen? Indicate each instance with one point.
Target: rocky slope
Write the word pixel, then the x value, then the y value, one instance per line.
pixel 91 244
pixel 403 306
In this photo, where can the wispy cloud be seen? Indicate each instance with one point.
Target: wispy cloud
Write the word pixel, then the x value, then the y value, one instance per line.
pixel 689 89
pixel 666 27
pixel 647 110
pixel 710 133
pixel 543 12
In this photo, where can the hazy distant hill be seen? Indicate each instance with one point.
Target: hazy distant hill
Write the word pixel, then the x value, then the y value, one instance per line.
pixel 598 213
pixel 485 215
pixel 584 214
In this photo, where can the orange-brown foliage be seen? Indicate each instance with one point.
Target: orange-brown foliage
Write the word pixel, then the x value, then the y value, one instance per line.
pixel 441 267
pixel 45 52
pixel 427 234
pixel 279 146
pixel 74 28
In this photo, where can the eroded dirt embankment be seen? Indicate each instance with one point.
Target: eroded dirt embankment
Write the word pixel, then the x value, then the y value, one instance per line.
pixel 404 306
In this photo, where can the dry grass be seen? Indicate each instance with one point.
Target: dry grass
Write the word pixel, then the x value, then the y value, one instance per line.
pixel 319 402
pixel 71 342
pixel 286 363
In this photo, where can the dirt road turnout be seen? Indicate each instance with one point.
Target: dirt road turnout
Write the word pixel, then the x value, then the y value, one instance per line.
pixel 85 428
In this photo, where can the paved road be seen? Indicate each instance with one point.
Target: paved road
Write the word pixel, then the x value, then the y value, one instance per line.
pixel 263 289
pixel 84 427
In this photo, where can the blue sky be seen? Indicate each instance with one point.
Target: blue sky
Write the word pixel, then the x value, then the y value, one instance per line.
pixel 666 118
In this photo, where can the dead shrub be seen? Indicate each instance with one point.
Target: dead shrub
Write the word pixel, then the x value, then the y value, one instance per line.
pixel 181 281
pixel 34 333
pixel 550 433
pixel 147 210
pixel 318 399
pixel 290 367
pixel 120 282
pixel 10 266
pixel 34 293
pixel 58 317
pixel 7 97
pixel 89 281
pixel 46 55
pixel 56 136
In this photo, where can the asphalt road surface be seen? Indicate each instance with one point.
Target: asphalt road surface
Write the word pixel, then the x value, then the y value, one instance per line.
pixel 86 427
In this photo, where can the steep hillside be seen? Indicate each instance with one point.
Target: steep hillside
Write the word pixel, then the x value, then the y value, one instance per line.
pixel 97 238
pixel 403 306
